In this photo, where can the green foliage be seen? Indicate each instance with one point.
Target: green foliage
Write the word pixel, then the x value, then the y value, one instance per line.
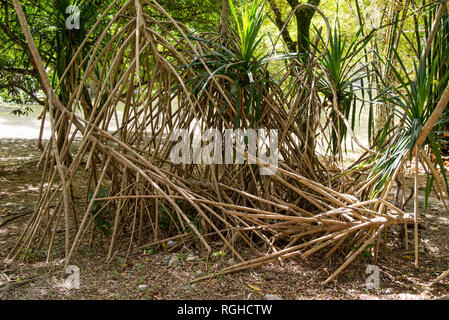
pixel 218 255
pixel 25 112
pixel 102 217
pixel 167 216
pixel 164 217
pixel 182 255
pixel 241 59
pixel 341 62
pixel 366 253
pixel 194 220
pixel 28 254
pixel 249 24
pixel 57 44
pixel 412 101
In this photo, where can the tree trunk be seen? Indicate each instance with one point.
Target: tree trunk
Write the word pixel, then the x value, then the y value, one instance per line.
pixel 291 45
pixel 225 18
pixel 303 20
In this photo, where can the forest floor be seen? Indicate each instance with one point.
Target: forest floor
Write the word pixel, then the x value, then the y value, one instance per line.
pixel 149 275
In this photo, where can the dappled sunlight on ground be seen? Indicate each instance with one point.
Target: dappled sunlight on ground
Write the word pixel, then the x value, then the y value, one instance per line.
pixel 294 279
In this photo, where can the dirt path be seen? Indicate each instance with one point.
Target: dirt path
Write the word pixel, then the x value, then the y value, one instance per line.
pixel 160 279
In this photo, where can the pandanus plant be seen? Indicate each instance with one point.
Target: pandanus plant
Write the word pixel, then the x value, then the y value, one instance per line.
pixel 412 102
pixel 242 61
pixel 343 69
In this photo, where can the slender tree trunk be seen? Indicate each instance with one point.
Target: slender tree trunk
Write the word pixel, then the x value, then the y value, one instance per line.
pixel 291 45
pixel 304 18
pixel 225 18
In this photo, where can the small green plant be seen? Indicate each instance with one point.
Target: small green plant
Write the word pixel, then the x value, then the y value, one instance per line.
pixel 102 217
pixel 366 253
pixel 195 221
pixel 164 217
pixel 27 254
pixel 182 256
pixel 217 255
pixel 220 253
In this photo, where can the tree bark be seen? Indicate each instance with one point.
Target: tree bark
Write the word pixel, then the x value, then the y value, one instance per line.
pixel 303 20
pixel 291 45
pixel 225 18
